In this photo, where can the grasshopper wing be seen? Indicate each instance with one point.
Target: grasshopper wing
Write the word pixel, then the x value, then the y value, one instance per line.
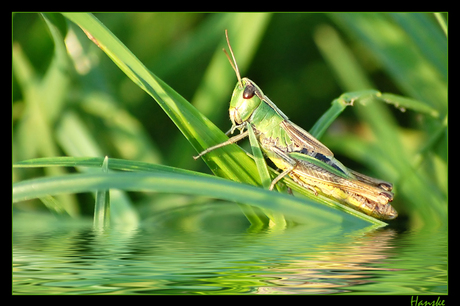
pixel 310 173
pixel 301 138
pixel 305 140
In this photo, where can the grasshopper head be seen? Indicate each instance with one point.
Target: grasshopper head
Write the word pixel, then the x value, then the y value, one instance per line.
pixel 246 98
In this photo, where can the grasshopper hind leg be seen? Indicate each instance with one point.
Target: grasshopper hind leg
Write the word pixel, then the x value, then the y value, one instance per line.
pixel 299 181
pixel 288 165
pixel 280 176
pixel 289 172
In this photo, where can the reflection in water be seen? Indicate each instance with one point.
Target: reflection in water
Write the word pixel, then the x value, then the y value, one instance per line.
pixel 337 267
pixel 158 259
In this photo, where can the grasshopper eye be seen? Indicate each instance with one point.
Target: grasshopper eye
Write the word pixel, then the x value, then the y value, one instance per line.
pixel 249 92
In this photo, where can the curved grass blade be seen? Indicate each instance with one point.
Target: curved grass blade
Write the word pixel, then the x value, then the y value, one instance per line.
pixel 276 217
pixel 259 159
pixel 215 192
pixel 296 209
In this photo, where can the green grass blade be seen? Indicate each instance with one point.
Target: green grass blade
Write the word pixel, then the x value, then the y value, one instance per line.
pixel 405 103
pixel 428 38
pixel 230 162
pixel 259 159
pixel 346 99
pixel 441 22
pixel 102 205
pixel 321 125
pixel 127 165
pixel 43 98
pixel 54 205
pixel 351 76
pixel 277 218
pixel 296 209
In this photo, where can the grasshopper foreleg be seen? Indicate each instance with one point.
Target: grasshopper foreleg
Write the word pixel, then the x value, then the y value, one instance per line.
pixel 223 144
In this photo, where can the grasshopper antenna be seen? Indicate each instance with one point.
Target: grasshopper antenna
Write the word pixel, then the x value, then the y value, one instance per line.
pixel 233 63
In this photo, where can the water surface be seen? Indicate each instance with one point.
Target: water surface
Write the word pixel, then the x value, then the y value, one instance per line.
pixel 225 256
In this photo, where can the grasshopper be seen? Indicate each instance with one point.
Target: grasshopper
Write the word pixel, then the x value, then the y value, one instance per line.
pixel 298 154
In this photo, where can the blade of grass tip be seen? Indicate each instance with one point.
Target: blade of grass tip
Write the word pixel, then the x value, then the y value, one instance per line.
pixel 404 103
pixel 255 216
pixel 102 205
pixel 57 80
pixel 441 22
pixel 54 205
pixel 78 140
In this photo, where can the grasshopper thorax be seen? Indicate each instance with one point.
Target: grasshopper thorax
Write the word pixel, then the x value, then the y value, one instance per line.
pixel 246 98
